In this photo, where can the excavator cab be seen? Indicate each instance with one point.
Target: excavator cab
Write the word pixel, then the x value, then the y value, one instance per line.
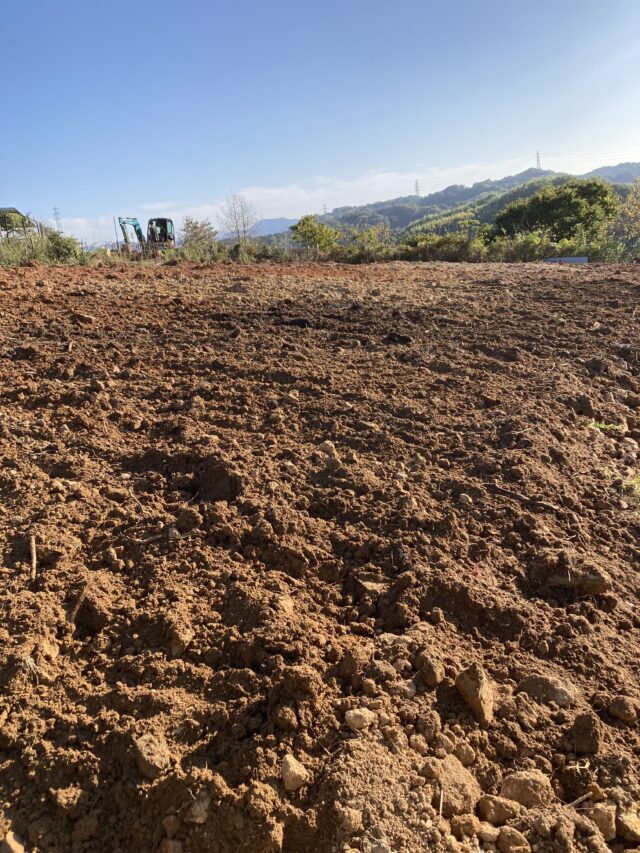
pixel 160 233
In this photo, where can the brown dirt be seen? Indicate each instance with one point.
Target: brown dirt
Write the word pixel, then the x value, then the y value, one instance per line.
pixel 265 496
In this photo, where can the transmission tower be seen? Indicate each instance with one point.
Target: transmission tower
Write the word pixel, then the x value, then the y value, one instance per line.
pixel 417 187
pixel 538 166
pixel 324 209
pixel 56 215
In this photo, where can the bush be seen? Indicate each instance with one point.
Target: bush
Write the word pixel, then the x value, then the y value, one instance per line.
pixel 47 247
pixel 522 248
pixel 62 250
pixel 449 247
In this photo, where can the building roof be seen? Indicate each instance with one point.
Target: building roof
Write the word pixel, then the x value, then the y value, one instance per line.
pixel 7 212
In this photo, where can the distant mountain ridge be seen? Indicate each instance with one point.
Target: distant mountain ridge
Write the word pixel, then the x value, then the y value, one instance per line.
pixel 623 173
pixel 407 211
pixel 272 226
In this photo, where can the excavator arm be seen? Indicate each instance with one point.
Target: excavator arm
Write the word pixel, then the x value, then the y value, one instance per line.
pixel 124 221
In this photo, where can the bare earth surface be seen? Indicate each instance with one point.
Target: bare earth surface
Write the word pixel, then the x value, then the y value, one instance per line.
pixel 319 558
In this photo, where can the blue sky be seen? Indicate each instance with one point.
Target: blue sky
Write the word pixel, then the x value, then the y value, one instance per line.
pixel 164 108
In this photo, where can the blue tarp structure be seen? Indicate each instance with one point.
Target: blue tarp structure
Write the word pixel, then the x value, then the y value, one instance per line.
pixel 566 260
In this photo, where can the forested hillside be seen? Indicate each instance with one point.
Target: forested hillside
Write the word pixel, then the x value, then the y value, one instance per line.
pixel 439 212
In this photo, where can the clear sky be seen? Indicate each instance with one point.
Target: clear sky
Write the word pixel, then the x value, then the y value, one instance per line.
pixel 153 108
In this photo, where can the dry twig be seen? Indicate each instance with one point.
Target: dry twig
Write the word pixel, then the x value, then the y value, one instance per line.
pixel 76 607
pixel 34 556
pixel 522 498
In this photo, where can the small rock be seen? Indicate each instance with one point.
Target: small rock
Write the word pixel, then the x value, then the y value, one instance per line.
pixel 429 724
pixel 328 447
pixel 604 817
pixel 198 811
pixel 179 636
pixel 585 735
pixel 188 519
pixel 464 826
pixel 545 689
pixel 584 406
pixel 359 718
pixel 294 774
pixel 624 709
pixel 474 686
pixel 379 846
pixel 530 788
pixel 591 580
pixel 437 616
pixel 511 840
pixel 353 661
pixel 497 810
pixel 487 833
pixel 465 500
pixel 432 671
pixel 460 789
pixel 465 753
pixel 628 825
pixel 285 718
pixel 152 755
pixel 443 744
pixel 419 744
pixel 350 819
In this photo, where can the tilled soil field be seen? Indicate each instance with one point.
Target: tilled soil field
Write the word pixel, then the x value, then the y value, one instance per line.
pixel 319 558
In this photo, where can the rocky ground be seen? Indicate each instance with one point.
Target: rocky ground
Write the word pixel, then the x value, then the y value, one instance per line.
pixel 319 558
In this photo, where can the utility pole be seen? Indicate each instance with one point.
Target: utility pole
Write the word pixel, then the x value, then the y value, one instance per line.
pixel 538 166
pixel 324 209
pixel 56 215
pixel 417 187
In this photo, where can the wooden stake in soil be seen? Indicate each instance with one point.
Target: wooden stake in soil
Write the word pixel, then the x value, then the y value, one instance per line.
pixel 34 556
pixel 76 607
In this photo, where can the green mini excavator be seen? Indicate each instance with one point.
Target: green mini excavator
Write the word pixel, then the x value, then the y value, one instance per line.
pixel 160 234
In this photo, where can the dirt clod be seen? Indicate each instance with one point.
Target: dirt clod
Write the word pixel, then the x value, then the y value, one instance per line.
pixel 497 810
pixel 546 689
pixel 152 755
pixel 359 718
pixel 294 774
pixel 623 708
pixel 477 691
pixel 530 788
pixel 510 840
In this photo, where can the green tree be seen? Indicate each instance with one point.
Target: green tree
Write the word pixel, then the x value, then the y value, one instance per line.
pixel 315 235
pixel 628 226
pixel 371 242
pixel 198 232
pixel 562 212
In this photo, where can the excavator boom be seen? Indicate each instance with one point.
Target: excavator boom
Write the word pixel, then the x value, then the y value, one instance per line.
pixel 124 222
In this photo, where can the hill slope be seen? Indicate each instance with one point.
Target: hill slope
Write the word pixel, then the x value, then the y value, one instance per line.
pixel 481 199
pixel 398 213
